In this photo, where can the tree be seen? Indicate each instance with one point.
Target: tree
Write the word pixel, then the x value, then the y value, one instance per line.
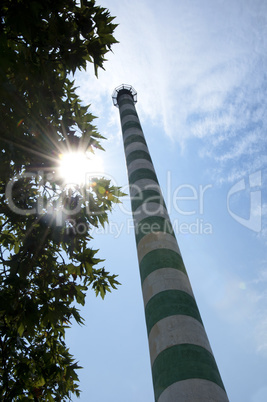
pixel 47 265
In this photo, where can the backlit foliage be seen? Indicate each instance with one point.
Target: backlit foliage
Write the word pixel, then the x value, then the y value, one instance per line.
pixel 46 264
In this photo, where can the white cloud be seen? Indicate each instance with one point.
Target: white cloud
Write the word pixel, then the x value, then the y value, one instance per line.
pixel 199 70
pixel 243 304
pixel 260 333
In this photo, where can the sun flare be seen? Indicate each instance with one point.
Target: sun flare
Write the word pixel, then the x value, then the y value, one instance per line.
pixel 77 167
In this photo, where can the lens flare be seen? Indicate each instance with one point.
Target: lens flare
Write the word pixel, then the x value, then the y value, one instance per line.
pixel 76 168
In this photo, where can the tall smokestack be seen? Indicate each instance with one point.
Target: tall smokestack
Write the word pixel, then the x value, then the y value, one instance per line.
pixel 182 362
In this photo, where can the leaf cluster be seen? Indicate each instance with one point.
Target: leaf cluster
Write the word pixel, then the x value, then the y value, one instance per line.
pixel 46 264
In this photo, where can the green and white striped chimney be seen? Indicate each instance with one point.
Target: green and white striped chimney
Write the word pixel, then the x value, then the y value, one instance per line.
pixel 183 366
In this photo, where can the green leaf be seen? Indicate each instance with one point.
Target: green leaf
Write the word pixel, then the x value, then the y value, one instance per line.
pixel 16 247
pixel 21 329
pixel 46 263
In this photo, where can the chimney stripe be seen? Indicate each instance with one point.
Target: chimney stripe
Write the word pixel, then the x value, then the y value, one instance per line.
pixel 183 366
pixel 182 362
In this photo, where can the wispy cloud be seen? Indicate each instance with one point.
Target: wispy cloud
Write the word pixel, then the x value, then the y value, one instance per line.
pixel 243 304
pixel 200 71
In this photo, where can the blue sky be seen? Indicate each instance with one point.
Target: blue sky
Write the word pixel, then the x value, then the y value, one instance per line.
pixel 199 69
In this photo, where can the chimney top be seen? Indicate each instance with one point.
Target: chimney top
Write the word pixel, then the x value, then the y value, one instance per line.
pixel 121 90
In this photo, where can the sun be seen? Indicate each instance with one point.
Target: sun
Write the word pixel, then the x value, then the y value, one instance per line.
pixel 76 168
